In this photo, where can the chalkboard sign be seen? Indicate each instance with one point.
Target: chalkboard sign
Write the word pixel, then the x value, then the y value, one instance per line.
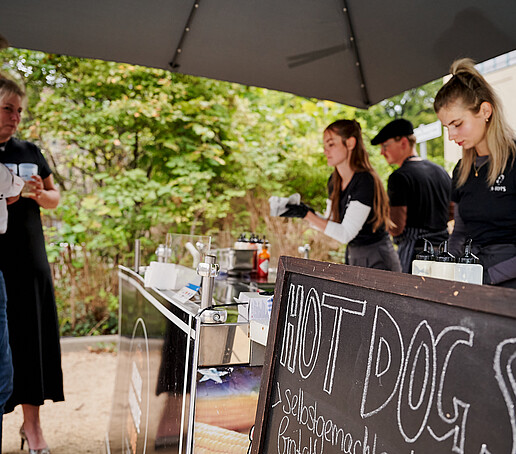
pixel 368 361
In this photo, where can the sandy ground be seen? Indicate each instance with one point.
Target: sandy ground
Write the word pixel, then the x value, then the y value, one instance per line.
pixel 79 424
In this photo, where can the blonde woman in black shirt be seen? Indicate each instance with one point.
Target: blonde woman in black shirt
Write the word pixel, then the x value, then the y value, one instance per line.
pixel 484 180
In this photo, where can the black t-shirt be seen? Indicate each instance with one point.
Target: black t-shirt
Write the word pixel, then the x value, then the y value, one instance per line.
pixel 425 189
pixel 488 212
pixel 361 189
pixel 23 245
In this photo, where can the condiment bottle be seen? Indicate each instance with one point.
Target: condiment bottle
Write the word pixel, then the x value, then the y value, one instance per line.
pixel 253 244
pixel 263 262
pixel 242 242
pixel 444 265
pixel 422 265
pixel 468 268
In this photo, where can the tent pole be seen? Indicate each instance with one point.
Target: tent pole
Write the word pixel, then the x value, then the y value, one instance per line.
pixel 358 62
pixel 173 64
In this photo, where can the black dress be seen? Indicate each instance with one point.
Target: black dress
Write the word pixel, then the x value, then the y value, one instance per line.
pixel 31 307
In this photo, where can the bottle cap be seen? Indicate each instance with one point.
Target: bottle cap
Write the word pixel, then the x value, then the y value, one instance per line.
pixel 427 253
pixel 468 257
pixel 444 255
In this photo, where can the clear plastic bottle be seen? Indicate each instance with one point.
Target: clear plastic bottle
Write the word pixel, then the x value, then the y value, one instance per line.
pixel 468 268
pixel 422 265
pixel 444 265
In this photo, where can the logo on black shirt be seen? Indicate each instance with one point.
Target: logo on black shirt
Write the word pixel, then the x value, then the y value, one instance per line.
pixel 497 187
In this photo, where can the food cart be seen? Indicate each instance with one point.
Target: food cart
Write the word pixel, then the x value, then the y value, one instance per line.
pixel 188 377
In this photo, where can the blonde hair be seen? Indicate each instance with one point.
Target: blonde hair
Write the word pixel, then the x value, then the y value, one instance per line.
pixel 8 87
pixel 411 140
pixel 359 161
pixel 470 88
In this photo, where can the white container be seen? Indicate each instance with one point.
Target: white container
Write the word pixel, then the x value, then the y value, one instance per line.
pixel 422 265
pixel 471 273
pixel 443 270
pixel 468 269
pixel 169 276
pixel 444 265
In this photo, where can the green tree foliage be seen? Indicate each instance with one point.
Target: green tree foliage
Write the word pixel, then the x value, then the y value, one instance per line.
pixel 138 151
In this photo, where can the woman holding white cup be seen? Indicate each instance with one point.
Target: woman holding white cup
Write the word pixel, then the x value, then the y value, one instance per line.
pixel 31 308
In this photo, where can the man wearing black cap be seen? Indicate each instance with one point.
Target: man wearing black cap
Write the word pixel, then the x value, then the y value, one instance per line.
pixel 419 192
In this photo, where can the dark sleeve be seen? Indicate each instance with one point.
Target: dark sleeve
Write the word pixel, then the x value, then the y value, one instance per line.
pixel 44 168
pixel 456 193
pixel 397 190
pixel 363 190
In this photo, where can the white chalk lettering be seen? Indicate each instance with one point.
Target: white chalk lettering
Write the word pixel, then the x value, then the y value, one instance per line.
pixel 339 305
pixel 422 341
pixel 318 430
pixel 302 330
pixel 311 312
pixel 417 375
pixel 291 331
pixel 449 339
pixel 506 353
pixel 385 332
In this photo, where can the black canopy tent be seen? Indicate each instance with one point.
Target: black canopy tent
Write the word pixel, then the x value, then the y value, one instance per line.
pixel 355 52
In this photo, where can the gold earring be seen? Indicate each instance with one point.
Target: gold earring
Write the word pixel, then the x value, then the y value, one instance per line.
pixel 487 120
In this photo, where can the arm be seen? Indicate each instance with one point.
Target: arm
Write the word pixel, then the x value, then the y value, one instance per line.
pixel 398 189
pixel 399 217
pixel 355 217
pixel 317 221
pixel 458 236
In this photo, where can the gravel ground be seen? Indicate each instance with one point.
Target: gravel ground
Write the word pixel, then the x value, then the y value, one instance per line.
pixel 79 424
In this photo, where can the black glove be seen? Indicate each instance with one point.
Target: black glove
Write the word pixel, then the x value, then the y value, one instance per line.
pixel 296 211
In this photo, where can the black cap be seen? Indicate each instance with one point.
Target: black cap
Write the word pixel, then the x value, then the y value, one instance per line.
pixel 396 128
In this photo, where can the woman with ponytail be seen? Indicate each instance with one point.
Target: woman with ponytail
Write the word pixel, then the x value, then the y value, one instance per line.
pixel 484 180
pixel 358 207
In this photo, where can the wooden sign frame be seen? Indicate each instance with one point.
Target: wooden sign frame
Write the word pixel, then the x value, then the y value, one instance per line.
pixel 481 299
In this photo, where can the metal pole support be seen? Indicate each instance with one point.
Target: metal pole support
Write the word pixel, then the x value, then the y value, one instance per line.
pixel 137 256
pixel 208 270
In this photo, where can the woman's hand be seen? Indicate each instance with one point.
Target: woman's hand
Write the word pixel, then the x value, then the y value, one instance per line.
pixel 36 186
pixel 45 192
pixel 13 199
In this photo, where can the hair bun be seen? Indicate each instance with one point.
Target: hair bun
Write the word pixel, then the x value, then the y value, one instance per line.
pixel 463 65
